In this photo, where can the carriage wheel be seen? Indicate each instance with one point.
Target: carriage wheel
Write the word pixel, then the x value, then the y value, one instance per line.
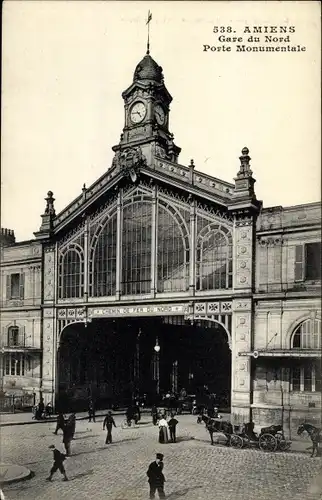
pixel 236 441
pixel 267 442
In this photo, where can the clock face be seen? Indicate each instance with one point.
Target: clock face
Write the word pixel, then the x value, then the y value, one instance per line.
pixel 159 114
pixel 138 112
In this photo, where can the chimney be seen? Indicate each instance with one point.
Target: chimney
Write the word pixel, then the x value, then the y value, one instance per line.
pixel 7 237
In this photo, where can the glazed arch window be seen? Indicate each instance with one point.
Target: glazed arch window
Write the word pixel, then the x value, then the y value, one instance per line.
pixel 71 273
pixel 307 335
pixel 214 260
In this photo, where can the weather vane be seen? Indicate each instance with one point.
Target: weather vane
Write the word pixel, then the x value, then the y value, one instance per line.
pixel 148 23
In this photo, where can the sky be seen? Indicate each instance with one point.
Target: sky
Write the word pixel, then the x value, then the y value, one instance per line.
pixel 65 65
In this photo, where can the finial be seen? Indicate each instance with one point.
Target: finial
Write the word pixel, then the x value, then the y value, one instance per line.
pixel 84 187
pixel 192 163
pixel 50 210
pixel 244 163
pixel 148 42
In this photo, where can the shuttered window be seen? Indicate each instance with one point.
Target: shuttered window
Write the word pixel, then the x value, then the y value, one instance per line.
pixel 15 286
pixel 299 263
pixel 308 261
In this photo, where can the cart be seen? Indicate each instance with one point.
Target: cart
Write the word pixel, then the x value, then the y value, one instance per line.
pixel 270 438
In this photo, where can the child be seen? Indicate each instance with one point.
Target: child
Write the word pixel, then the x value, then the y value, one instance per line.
pixel 58 463
pixel 172 427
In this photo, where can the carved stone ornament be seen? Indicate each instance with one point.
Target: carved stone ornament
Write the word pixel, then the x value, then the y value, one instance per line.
pixel 130 161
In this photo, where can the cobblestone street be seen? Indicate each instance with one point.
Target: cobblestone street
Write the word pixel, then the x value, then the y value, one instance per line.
pixel 193 468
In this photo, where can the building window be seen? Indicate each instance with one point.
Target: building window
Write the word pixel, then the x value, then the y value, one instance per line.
pixel 308 262
pixel 307 335
pixel 214 260
pixel 13 336
pixel 15 286
pixel 14 364
pixel 103 262
pixel 136 248
pixel 172 252
pixel 306 377
pixel 71 273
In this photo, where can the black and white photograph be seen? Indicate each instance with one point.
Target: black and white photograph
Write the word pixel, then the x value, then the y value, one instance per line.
pixel 161 250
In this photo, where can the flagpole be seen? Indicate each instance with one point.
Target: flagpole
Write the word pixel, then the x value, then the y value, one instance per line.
pixel 148 23
pixel 148 44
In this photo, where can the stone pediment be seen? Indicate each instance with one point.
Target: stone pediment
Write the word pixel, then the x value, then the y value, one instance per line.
pixel 128 165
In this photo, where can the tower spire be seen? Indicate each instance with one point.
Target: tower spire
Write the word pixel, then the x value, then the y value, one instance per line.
pixel 148 23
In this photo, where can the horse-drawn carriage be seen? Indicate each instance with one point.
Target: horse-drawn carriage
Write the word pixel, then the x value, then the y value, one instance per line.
pixel 269 439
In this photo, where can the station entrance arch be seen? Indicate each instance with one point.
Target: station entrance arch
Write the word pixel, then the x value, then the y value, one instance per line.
pixel 114 359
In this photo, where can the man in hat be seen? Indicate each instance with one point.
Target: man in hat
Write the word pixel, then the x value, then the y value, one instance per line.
pixel 172 427
pixel 58 463
pixel 108 423
pixel 156 477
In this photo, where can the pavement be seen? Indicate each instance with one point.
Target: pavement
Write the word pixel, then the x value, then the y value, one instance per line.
pixel 194 469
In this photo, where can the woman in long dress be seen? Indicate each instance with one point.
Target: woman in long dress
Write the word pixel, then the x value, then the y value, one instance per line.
pixel 163 430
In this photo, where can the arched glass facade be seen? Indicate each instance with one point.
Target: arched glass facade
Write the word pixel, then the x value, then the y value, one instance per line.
pixel 136 248
pixel 172 252
pixel 150 251
pixel 103 260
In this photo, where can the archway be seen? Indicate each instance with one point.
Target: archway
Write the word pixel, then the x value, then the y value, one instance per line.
pixel 115 360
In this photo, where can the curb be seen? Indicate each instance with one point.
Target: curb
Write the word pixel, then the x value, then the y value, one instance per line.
pixel 28 475
pixel 54 419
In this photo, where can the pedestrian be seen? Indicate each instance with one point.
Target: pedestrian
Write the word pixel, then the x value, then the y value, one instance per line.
pixel 156 477
pixel 172 427
pixel 154 413
pixel 58 463
pixel 68 433
pixel 60 422
pixel 163 430
pixel 71 422
pixel 91 410
pixel 108 423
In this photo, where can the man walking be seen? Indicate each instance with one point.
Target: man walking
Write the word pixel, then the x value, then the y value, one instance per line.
pixel 68 432
pixel 108 423
pixel 91 410
pixel 172 427
pixel 156 477
pixel 60 422
pixel 58 464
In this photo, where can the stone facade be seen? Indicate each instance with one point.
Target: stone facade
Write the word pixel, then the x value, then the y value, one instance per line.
pixel 264 294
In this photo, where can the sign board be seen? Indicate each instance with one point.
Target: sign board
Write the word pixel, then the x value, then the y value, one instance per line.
pixel 144 310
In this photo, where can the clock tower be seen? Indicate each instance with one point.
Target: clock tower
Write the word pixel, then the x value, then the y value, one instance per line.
pixel 146 105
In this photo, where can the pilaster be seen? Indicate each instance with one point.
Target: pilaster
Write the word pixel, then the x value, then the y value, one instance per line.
pixel 118 244
pixel 154 249
pixel 86 232
pixel 192 256
pixel 48 324
pixel 242 326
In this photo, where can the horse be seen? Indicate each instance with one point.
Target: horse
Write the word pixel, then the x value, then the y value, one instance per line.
pixel 314 433
pixel 212 426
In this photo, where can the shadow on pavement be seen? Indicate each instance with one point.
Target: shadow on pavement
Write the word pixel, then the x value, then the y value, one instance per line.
pixel 181 493
pixel 184 438
pixel 82 474
pixel 87 437
pixel 106 447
